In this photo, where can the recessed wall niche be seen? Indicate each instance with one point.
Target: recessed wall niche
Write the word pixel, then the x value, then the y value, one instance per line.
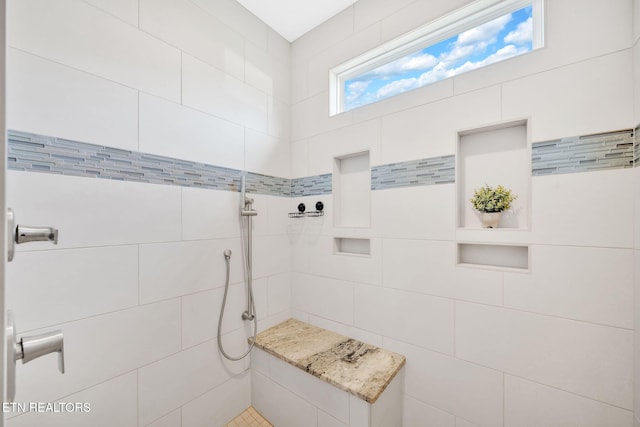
pixel 352 190
pixel 495 155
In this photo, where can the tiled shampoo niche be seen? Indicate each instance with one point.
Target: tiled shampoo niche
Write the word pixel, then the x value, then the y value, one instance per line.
pixel 352 201
pixel 494 155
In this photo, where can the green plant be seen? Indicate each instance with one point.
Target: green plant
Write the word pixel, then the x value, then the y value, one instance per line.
pixel 487 199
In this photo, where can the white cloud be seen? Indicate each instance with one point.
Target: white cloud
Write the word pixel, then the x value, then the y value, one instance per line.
pixel 476 39
pixel 397 87
pixel 522 34
pixel 355 90
pixel 417 62
pixel 484 33
pixel 506 52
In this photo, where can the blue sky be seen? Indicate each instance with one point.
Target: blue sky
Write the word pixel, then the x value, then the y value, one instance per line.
pixel 507 36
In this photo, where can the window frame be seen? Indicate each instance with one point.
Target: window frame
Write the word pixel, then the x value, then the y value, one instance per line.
pixel 443 28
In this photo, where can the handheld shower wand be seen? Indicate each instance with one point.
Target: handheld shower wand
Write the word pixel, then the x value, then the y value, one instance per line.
pixel 246 210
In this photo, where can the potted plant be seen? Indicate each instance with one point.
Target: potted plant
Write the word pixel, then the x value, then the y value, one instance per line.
pixel 490 202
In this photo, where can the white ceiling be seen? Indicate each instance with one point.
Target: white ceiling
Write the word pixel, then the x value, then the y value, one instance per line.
pixel 293 18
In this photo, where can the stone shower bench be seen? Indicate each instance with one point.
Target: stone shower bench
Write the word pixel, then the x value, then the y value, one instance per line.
pixel 366 392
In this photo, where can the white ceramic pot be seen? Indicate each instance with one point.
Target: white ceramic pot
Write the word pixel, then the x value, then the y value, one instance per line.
pixel 490 219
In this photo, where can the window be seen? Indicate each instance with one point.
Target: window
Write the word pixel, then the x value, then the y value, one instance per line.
pixel 482 33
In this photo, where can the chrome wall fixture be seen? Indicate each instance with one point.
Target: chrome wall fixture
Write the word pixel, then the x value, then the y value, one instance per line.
pixel 30 347
pixel 17 234
pixel 246 214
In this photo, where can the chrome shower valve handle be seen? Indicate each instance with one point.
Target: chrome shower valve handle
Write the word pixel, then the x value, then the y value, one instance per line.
pixel 28 349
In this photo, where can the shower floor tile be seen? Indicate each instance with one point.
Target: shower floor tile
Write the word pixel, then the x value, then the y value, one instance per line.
pixel 249 418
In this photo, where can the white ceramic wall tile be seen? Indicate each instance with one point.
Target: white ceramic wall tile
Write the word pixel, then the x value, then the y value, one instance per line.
pixel 411 212
pixel 299 81
pixel 266 73
pixel 299 159
pixel 418 319
pixel 112 403
pixel 171 130
pixel 169 270
pixel 461 422
pixel 127 10
pixel 528 404
pixel 267 155
pixel 326 420
pixel 274 320
pixel 636 79
pixel 102 347
pixel 278 47
pixel 347 330
pixel 387 410
pixel 311 117
pixel 607 104
pixel 212 91
pixel 368 12
pixel 279 122
pixel 581 221
pixel 637 331
pixel 325 35
pixel 180 378
pixel 353 46
pixel 320 394
pixel 591 284
pixel 185 25
pixel 201 311
pixel 277 214
pixel 51 99
pixel 220 405
pixel 418 414
pixel 77 34
pixel 50 287
pixel 278 293
pixel 453 385
pixel 281 407
pixel 172 419
pixel 415 14
pixel 636 21
pixel 324 148
pixel 270 255
pixel 413 98
pixel 237 17
pixel 210 214
pixel 260 222
pixel 324 297
pixel 636 205
pixel 429 267
pixel 325 261
pixel 94 212
pixel 359 412
pixel 590 360
pixel 260 292
pixel 430 130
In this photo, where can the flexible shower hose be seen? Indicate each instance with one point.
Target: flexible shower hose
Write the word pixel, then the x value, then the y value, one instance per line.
pixel 227 257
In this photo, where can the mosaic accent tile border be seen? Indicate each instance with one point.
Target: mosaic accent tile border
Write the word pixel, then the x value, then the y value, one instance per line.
pixel 613 150
pixel 38 153
pixel 434 170
pixel 311 185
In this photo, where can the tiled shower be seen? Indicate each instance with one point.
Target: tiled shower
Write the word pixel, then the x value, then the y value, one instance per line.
pixel 132 122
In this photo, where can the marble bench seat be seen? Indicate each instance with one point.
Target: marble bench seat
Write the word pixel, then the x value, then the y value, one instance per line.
pixel 365 391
